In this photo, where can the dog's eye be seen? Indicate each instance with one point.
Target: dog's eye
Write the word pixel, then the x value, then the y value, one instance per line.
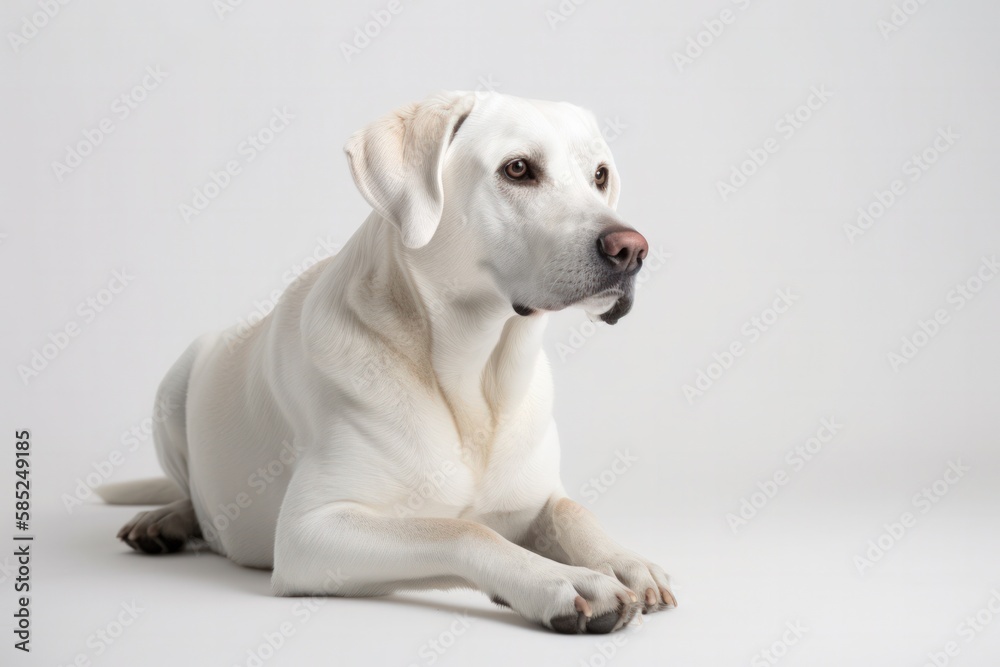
pixel 517 170
pixel 601 177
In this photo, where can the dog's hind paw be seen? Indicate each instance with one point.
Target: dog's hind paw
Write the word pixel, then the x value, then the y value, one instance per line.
pixel 163 530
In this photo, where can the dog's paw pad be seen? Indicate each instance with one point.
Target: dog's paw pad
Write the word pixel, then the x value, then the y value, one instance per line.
pixel 570 624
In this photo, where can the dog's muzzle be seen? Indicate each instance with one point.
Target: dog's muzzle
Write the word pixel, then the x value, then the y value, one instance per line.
pixel 622 250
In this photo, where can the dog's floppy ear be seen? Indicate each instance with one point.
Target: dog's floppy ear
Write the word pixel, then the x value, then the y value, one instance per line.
pixel 397 162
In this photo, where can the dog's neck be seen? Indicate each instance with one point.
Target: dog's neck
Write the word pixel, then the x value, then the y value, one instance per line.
pixel 483 355
pixel 481 348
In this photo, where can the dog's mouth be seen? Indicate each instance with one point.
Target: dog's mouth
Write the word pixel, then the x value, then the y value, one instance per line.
pixel 608 305
pixel 620 309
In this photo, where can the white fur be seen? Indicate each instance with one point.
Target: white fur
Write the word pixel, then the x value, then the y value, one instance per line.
pixel 408 405
pixel 153 491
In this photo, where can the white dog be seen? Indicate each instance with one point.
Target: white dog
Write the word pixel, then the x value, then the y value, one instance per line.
pixel 389 425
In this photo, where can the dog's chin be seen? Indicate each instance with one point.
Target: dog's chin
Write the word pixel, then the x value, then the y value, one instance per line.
pixel 619 310
pixel 609 307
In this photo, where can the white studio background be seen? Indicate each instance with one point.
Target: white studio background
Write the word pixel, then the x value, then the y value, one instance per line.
pixel 893 109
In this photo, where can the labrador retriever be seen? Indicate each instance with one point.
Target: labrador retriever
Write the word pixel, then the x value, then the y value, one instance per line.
pixel 388 425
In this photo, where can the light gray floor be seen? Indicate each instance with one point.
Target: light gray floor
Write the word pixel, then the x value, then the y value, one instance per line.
pixel 792 566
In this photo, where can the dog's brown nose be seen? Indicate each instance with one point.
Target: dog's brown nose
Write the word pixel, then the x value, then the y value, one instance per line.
pixel 623 248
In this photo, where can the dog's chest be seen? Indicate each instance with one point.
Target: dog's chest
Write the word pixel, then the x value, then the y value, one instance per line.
pixel 506 465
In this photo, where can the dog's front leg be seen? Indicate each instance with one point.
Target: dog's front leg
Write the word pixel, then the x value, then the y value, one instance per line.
pixel 347 549
pixel 567 532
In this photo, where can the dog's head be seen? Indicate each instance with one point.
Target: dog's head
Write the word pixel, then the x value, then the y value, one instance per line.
pixel 522 191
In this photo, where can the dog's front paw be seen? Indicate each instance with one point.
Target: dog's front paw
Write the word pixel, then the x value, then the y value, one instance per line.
pixel 646 579
pixel 573 600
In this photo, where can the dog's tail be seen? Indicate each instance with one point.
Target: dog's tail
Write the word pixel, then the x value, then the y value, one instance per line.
pixel 151 491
